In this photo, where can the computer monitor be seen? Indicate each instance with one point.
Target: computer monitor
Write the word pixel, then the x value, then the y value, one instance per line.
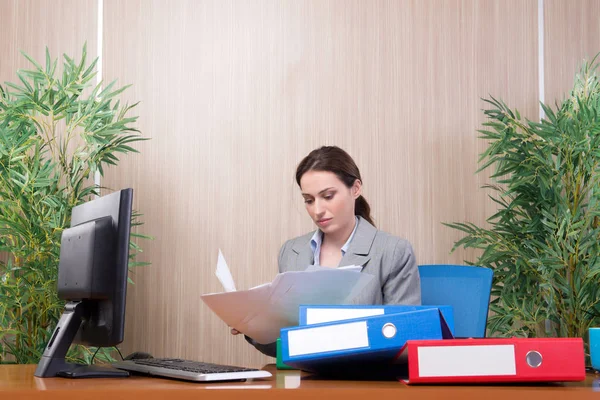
pixel 92 278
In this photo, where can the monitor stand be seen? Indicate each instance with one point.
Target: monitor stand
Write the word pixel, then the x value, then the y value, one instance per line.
pixel 53 361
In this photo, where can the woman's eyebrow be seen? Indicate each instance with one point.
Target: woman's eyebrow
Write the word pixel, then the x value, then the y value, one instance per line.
pixel 322 191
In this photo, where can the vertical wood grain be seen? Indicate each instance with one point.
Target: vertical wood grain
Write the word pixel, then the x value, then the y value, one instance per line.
pixel 32 25
pixel 572 36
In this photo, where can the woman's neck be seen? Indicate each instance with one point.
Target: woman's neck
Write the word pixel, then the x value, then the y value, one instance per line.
pixel 338 239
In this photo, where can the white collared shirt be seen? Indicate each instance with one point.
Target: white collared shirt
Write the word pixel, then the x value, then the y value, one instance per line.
pixel 317 240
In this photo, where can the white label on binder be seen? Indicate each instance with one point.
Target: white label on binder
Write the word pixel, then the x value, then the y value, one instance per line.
pixel 328 338
pixel 319 315
pixel 492 360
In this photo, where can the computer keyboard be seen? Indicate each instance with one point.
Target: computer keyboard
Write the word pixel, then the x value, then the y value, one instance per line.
pixel 190 370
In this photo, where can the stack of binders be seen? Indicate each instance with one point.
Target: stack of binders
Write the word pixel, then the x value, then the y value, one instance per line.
pixel 360 341
pixel 415 344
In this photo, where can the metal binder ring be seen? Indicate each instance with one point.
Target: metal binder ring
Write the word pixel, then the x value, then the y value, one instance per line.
pixel 389 330
pixel 534 359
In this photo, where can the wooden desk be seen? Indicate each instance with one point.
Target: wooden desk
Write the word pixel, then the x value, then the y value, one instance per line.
pixel 18 382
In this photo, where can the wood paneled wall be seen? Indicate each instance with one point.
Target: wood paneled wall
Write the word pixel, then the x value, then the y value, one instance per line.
pixel 571 35
pixel 234 93
pixel 32 25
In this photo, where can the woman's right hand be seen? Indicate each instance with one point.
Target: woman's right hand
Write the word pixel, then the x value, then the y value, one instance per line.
pixel 235 331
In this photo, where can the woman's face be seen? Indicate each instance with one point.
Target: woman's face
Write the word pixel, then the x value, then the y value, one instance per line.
pixel 328 201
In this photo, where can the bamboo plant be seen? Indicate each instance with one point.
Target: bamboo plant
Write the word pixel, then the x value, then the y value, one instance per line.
pixel 543 243
pixel 57 128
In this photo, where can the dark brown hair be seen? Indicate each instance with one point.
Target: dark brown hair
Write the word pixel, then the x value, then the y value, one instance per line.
pixel 333 159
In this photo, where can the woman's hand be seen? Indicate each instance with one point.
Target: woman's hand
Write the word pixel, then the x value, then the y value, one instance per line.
pixel 235 331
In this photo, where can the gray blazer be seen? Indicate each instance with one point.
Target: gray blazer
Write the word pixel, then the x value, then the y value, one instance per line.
pixel 389 259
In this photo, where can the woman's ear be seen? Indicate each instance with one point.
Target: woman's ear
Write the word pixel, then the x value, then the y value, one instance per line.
pixel 356 189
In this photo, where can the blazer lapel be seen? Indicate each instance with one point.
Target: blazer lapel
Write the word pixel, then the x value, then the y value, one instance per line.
pixel 360 246
pixel 357 254
pixel 305 256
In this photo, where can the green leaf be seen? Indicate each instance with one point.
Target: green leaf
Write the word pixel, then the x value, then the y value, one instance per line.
pixel 31 60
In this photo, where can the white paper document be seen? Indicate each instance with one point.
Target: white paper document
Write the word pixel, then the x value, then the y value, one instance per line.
pixel 223 274
pixel 262 311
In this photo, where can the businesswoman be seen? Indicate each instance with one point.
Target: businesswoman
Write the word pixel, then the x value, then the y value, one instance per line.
pixel 331 186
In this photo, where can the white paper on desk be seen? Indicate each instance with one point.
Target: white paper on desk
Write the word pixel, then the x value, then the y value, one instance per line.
pixel 262 311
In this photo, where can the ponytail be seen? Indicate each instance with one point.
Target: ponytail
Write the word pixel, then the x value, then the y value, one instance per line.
pixel 362 209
